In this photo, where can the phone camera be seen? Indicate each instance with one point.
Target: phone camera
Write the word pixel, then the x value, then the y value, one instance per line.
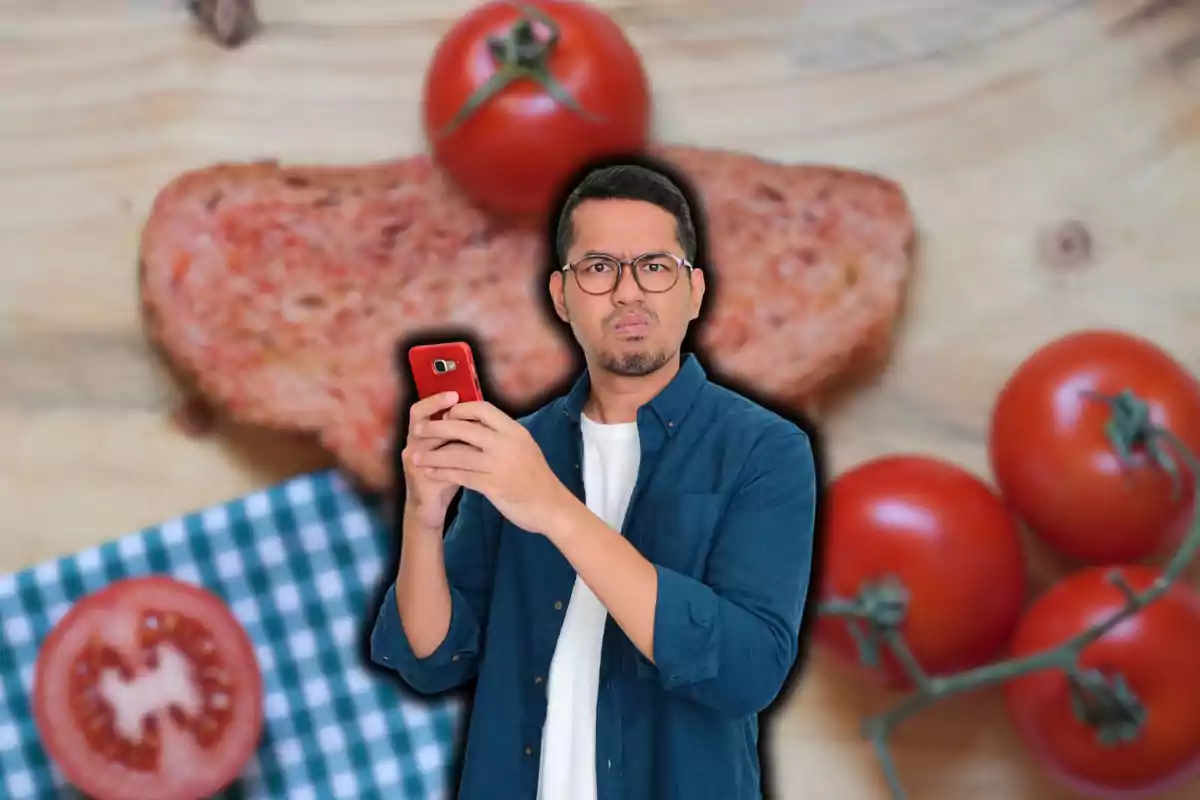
pixel 442 365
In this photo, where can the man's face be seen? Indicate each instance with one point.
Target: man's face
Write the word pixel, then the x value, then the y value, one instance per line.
pixel 628 331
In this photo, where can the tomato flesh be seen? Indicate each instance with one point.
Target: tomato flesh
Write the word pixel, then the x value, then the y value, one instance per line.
pixel 1058 470
pixel 947 538
pixel 1156 651
pixel 149 689
pixel 514 153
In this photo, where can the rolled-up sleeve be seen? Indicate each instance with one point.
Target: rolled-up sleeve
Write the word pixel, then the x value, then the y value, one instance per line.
pixel 730 640
pixel 469 557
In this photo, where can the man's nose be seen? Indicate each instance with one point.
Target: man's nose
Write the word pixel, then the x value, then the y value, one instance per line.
pixel 627 289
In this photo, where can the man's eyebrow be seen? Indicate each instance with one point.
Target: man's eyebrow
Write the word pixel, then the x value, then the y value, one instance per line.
pixel 593 253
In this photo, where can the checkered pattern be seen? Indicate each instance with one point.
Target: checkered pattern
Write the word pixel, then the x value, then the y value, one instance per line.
pixel 298 564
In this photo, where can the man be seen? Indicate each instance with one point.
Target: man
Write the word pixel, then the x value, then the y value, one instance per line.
pixel 628 566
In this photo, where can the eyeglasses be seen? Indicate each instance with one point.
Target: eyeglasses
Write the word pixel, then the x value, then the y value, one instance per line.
pixel 653 272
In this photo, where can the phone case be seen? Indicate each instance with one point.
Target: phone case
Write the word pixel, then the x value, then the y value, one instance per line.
pixel 445 367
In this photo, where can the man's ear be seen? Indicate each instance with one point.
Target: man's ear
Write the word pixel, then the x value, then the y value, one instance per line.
pixel 558 296
pixel 698 289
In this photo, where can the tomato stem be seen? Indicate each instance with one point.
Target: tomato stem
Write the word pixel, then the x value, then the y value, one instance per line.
pixel 1103 702
pixel 874 619
pixel 1130 428
pixel 521 54
pixel 1106 704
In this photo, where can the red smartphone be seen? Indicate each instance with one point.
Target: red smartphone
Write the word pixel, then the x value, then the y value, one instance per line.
pixel 445 367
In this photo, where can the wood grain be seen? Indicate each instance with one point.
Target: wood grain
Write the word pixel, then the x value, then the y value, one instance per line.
pixel 1002 120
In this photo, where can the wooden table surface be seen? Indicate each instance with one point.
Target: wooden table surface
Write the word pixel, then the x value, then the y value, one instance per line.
pixel 1001 119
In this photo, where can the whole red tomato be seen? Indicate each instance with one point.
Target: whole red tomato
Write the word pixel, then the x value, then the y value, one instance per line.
pixel 1157 654
pixel 148 689
pixel 1056 465
pixel 514 105
pixel 947 538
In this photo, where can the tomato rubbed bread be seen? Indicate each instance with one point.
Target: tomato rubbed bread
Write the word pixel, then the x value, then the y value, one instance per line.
pixel 281 291
pixel 149 690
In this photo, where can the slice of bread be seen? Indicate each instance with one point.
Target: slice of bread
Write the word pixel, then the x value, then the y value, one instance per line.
pixel 281 291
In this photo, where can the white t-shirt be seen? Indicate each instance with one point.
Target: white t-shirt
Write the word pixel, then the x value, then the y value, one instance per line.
pixel 611 454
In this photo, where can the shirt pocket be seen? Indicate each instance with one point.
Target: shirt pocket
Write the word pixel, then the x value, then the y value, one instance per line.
pixel 680 530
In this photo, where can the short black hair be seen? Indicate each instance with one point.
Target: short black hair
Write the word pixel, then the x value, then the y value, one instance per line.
pixel 628 182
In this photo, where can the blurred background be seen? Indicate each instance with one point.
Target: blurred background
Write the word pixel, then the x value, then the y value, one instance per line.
pixel 1010 124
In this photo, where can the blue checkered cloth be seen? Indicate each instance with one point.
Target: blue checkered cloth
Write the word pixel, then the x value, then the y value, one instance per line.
pixel 300 565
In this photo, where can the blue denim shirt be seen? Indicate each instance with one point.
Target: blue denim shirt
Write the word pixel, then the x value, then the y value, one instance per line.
pixel 724 508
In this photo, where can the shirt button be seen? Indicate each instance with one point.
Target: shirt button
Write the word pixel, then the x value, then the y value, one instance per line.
pixel 558 605
pixel 454 657
pixel 538 679
pixel 670 424
pixel 528 751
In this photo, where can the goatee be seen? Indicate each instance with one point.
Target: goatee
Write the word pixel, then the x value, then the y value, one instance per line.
pixel 633 365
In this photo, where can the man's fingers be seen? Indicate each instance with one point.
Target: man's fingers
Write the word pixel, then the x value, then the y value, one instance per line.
pixel 455 457
pixel 472 433
pixel 468 480
pixel 418 443
pixel 409 454
pixel 420 412
pixel 484 413
pixel 424 409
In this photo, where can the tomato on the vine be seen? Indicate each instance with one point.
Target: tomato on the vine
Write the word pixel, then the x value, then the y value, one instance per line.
pixel 1057 433
pixel 1154 655
pixel 149 688
pixel 515 104
pixel 941 534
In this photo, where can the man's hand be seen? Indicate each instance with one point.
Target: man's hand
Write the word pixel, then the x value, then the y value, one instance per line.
pixel 427 498
pixel 503 463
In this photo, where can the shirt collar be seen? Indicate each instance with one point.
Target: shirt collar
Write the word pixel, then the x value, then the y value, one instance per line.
pixel 670 405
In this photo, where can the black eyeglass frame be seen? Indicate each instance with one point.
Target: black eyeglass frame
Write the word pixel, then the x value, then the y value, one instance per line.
pixel 681 263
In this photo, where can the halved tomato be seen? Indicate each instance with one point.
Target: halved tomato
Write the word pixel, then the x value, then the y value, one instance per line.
pixel 149 688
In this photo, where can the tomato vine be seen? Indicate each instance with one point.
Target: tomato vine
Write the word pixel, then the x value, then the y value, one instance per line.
pixel 1102 701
